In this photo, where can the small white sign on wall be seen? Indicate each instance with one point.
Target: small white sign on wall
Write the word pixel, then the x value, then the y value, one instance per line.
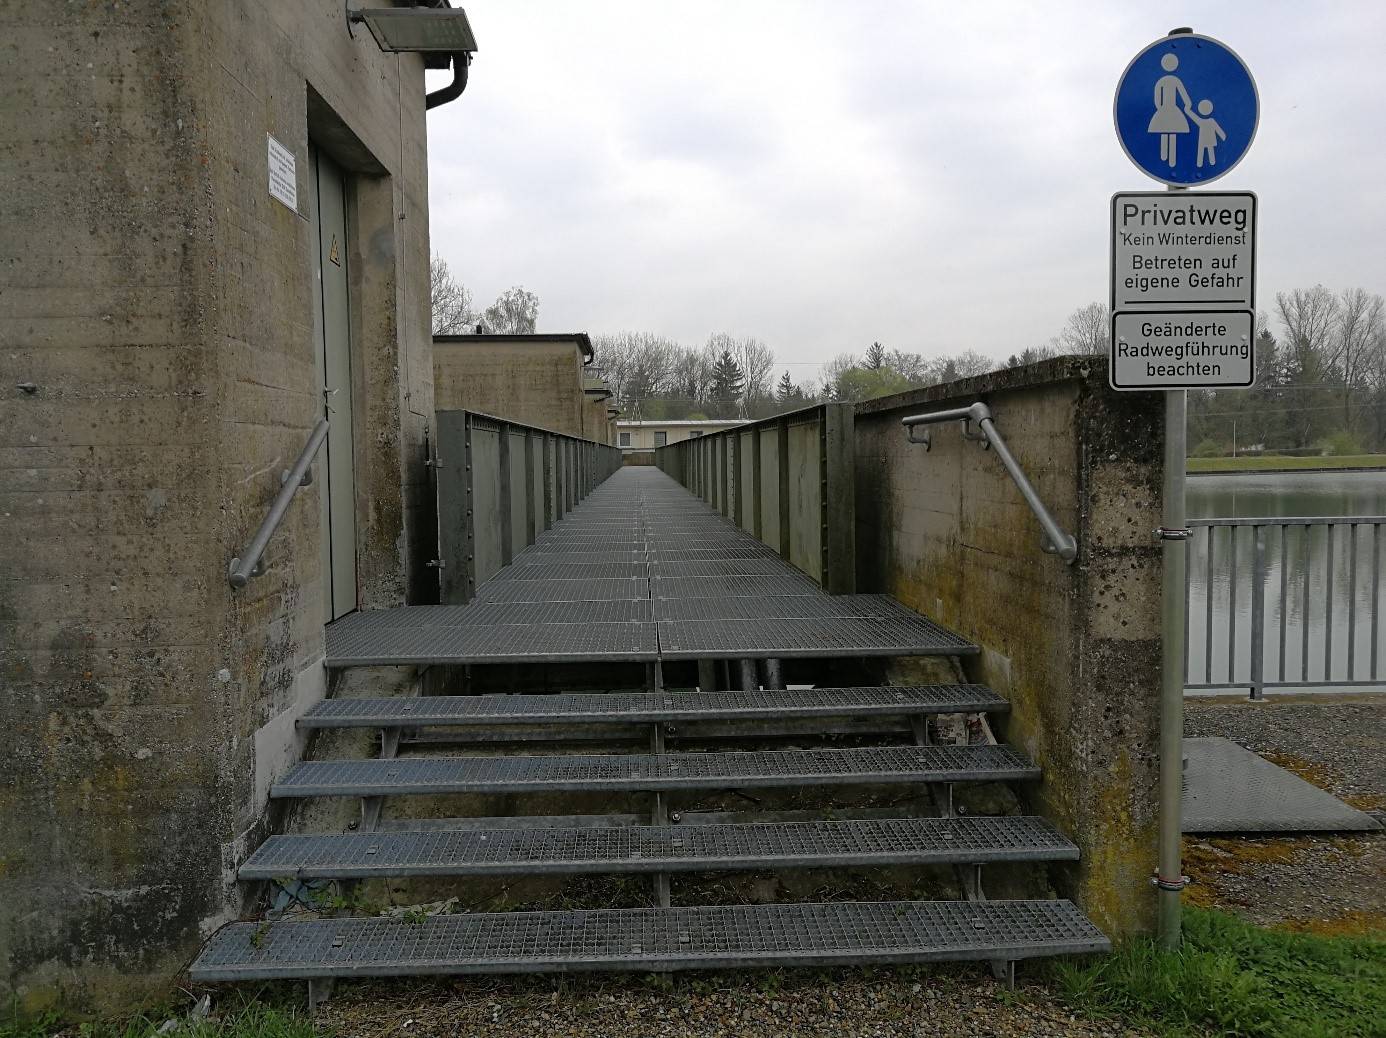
pixel 283 175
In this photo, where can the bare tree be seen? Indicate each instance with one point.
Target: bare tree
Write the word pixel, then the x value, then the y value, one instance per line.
pixel 1374 377
pixel 692 378
pixel 1310 317
pixel 1087 330
pixel 449 301
pixel 1359 318
pixel 912 366
pixel 639 367
pixel 516 312
pixel 754 360
pixel 1035 354
pixel 832 373
pixel 970 363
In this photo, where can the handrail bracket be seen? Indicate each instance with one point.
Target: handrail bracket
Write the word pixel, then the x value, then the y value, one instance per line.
pixel 1057 541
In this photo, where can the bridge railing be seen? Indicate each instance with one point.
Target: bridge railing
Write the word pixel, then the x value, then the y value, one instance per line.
pixel 788 481
pixel 500 485
pixel 1285 602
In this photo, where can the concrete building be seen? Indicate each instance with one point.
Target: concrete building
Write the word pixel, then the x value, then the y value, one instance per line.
pixel 213 237
pixel 600 422
pixel 538 380
pixel 647 435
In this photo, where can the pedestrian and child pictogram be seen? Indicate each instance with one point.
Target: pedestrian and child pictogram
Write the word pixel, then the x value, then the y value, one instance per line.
pixel 1186 110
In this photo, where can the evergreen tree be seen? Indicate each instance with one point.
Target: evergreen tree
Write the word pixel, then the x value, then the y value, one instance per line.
pixel 875 357
pixel 727 384
pixel 784 392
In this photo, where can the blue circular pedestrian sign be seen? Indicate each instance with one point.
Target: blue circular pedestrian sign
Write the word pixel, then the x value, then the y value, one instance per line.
pixel 1186 109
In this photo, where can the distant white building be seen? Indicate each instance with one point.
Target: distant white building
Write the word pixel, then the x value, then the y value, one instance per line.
pixel 646 436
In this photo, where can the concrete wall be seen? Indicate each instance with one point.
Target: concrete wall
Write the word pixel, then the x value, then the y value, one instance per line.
pixel 1076 649
pixel 532 380
pixel 161 302
pixel 596 424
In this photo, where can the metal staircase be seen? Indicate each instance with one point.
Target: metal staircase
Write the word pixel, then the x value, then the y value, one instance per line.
pixel 644 575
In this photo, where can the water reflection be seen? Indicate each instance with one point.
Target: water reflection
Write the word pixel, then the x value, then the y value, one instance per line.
pixel 1320 587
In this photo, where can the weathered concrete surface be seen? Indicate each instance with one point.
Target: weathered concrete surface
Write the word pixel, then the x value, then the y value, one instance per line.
pixel 1076 649
pixel 160 302
pixel 534 380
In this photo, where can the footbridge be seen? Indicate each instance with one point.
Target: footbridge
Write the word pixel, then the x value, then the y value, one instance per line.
pixel 642 681
pixel 643 572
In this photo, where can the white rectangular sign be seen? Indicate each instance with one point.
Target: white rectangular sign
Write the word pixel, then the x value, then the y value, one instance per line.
pixel 1182 350
pixel 1184 250
pixel 283 177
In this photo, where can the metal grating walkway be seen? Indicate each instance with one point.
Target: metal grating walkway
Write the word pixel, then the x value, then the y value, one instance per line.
pixel 640 571
pixel 654 848
pixel 649 939
pixel 649 707
pixel 407 776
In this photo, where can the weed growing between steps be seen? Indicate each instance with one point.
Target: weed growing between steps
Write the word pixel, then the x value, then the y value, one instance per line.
pixel 1234 978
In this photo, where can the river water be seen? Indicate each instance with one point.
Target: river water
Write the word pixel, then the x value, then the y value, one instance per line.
pixel 1318 590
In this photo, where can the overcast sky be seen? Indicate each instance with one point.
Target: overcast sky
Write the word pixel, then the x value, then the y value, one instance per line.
pixel 819 175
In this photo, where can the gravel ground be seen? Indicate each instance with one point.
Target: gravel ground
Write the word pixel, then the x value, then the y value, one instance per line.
pixel 1325 882
pixel 864 1003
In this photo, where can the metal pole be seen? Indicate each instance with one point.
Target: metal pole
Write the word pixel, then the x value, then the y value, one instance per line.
pixel 1169 879
pixel 1258 613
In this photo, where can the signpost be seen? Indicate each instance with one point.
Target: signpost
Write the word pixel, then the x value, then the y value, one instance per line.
pixel 1183 296
pixel 1186 109
pixel 1183 304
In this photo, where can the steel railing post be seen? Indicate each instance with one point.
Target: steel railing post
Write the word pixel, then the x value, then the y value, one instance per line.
pixel 1258 612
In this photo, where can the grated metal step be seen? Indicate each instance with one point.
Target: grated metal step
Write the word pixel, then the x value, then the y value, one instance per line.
pixel 639 707
pixel 649 939
pixel 789 582
pixel 781 607
pixel 597 589
pixel 739 769
pixel 899 635
pixel 670 848
pixel 720 567
pixel 484 614
pixel 571 570
pixel 384 645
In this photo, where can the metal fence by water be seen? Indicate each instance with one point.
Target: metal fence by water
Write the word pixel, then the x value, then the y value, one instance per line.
pixel 1285 602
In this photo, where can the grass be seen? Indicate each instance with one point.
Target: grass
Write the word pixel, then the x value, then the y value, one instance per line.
pixel 1230 978
pixel 242 1016
pixel 1234 978
pixel 1271 462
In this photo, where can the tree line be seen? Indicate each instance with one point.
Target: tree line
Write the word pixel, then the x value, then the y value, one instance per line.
pixel 1320 381
pixel 654 377
pixel 1320 357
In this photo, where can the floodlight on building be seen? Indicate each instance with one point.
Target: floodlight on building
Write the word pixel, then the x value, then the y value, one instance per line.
pixel 440 33
pixel 401 30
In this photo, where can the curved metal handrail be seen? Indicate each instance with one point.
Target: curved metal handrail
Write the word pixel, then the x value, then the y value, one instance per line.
pixel 247 564
pixel 1057 540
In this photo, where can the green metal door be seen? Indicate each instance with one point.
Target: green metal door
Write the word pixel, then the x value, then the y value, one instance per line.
pixel 332 326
